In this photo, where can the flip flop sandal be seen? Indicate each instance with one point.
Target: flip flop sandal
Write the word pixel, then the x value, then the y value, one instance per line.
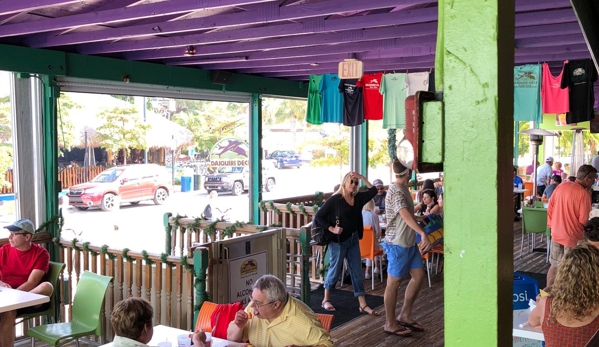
pixel 371 313
pixel 328 306
pixel 399 332
pixel 415 326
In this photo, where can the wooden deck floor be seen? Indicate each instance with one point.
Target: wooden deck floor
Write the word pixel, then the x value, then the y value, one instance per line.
pixel 428 310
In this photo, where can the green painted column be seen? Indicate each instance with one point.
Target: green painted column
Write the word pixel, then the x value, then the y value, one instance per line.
pixel 478 60
pixel 255 157
pixel 51 93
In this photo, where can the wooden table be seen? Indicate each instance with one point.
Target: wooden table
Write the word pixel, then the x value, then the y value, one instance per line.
pixel 521 317
pixel 164 333
pixel 13 299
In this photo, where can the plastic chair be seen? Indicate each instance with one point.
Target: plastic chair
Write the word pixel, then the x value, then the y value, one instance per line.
pixel 534 221
pixel 326 320
pixel 86 320
pixel 52 276
pixel 529 186
pixel 437 250
pixel 369 250
pixel 204 315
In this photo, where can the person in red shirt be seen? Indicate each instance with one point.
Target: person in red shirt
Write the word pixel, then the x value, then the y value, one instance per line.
pixel 567 213
pixel 23 265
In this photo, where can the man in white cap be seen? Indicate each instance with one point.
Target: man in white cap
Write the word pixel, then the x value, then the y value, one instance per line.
pixel 23 265
pixel 379 198
pixel 403 255
pixel 543 176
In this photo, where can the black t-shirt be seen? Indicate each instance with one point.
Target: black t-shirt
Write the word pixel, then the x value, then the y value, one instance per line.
pixel 580 75
pixel 350 217
pixel 353 103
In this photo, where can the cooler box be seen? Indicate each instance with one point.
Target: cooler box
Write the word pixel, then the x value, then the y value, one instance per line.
pixel 185 183
pixel 525 288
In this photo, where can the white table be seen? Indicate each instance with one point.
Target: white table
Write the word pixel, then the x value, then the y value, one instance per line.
pixel 521 317
pixel 12 299
pixel 162 333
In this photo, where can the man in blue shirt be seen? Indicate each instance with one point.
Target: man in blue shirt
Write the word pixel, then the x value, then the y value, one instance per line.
pixel 517 181
pixel 543 176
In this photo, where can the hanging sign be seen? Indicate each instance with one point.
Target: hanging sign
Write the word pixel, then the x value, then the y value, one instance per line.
pixel 351 68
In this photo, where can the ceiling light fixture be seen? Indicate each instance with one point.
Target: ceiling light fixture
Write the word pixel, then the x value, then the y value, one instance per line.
pixel 189 51
pixel 313 64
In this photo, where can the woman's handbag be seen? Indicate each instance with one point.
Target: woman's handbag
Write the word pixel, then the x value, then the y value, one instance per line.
pixel 322 236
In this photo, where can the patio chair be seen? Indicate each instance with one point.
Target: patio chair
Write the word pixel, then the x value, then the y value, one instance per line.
pixel 534 221
pixel 326 320
pixel 203 322
pixel 436 252
pixel 86 320
pixel 369 250
pixel 52 276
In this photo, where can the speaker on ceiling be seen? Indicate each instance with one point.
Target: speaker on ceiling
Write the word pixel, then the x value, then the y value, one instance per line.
pixel 220 77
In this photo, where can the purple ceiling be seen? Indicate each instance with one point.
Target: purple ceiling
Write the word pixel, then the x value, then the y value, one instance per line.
pixel 282 38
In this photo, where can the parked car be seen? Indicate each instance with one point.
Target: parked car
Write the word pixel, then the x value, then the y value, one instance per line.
pixel 285 158
pixel 236 180
pixel 119 184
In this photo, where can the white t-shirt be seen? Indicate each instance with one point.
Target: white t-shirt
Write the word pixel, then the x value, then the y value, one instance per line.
pixel 417 81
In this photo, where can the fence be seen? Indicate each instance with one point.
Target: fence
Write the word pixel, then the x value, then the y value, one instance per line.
pixel 68 177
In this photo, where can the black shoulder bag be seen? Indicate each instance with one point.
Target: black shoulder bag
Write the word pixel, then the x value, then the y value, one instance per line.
pixel 321 236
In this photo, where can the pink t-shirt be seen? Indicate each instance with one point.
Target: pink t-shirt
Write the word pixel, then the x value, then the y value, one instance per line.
pixel 555 99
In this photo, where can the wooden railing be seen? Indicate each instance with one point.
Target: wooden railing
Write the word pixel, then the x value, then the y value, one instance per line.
pixel 68 177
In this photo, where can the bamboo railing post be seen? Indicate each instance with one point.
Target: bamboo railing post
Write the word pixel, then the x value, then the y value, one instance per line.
pixel 158 292
pixel 169 290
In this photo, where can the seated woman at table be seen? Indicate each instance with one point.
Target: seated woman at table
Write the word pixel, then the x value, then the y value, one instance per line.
pixel 371 219
pixel 429 204
pixel 569 316
pixel 428 184
pixel 555 180
pixel 132 322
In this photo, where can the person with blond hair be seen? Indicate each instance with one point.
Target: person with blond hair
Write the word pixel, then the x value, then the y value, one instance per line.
pixel 569 316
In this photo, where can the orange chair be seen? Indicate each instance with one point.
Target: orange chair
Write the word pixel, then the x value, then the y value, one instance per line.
pixel 430 255
pixel 369 250
pixel 326 320
pixel 203 321
pixel 529 186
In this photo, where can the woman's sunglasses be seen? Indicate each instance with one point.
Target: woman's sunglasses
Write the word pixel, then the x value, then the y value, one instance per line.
pixel 353 182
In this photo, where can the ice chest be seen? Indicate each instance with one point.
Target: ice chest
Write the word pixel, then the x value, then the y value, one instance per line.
pixel 525 288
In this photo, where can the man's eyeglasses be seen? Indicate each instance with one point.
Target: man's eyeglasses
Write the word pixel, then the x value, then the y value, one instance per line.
pixel 15 234
pixel 353 182
pixel 257 304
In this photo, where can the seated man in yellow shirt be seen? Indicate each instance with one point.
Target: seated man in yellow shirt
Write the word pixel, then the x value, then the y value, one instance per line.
pixel 275 319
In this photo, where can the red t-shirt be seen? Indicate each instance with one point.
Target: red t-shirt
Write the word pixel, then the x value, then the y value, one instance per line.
pixel 16 266
pixel 373 99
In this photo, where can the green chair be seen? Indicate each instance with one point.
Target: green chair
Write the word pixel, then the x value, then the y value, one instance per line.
pixel 87 309
pixel 534 221
pixel 52 277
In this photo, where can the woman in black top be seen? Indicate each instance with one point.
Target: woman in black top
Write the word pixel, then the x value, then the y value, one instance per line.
pixel 429 204
pixel 342 214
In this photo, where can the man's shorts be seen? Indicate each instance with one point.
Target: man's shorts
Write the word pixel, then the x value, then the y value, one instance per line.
pixel 33 309
pixel 402 259
pixel 556 253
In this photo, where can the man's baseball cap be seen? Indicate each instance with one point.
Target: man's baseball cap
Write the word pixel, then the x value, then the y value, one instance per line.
pixel 22 224
pixel 377 182
pixel 549 159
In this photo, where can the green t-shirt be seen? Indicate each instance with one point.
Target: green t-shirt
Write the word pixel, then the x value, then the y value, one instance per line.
pixel 313 111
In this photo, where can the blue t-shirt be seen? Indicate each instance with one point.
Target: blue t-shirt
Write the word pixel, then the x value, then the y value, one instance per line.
pixel 527 93
pixel 518 180
pixel 332 100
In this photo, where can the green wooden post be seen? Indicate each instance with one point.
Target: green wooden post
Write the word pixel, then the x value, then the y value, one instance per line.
pixel 478 61
pixel 200 266
pixel 305 289
pixel 167 229
pixel 255 157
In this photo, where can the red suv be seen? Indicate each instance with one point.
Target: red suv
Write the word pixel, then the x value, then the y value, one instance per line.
pixel 131 183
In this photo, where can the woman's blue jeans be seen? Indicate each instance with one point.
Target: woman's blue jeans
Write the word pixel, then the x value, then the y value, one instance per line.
pixel 350 250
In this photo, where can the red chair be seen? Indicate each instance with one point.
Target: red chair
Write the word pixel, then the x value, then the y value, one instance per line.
pixel 369 249
pixel 326 320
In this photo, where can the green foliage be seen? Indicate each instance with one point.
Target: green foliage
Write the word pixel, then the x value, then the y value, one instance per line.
pixel 338 143
pixel 523 139
pixel 121 130
pixel 5 163
pixel 5 130
pixel 65 127
pixel 209 121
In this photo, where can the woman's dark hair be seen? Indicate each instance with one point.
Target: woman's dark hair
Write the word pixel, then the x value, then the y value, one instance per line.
pixel 557 179
pixel 428 184
pixel 591 230
pixel 431 193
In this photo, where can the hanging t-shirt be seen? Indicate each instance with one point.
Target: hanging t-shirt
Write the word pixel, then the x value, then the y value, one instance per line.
pixel 314 109
pixel 417 81
pixel 527 93
pixel 579 76
pixel 332 100
pixel 395 90
pixel 371 91
pixel 555 99
pixel 353 105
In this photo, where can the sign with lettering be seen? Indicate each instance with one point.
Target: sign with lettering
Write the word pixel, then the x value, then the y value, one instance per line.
pixel 243 272
pixel 351 68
